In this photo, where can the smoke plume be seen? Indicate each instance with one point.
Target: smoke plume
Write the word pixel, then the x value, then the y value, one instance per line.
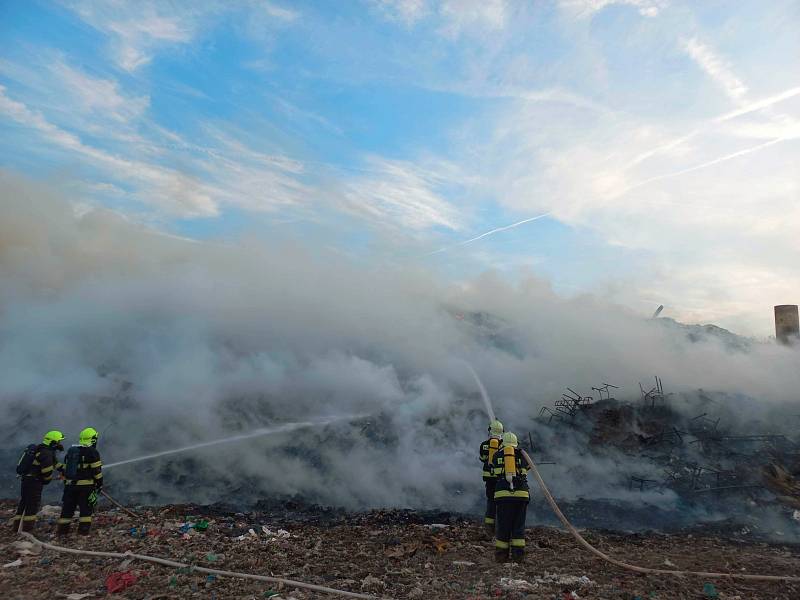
pixel 161 342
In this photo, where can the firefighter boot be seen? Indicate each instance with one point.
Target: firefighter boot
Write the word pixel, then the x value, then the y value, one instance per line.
pixel 28 523
pixel 63 527
pixel 517 555
pixel 84 525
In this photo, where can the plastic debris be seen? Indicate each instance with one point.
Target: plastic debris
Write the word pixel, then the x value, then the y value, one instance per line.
pixel 116 582
pixel 372 584
pixel 48 511
pixel 710 590
pixel 78 596
pixel 16 563
pixel 211 557
pixel 201 525
pixel 271 593
pixel 517 585
pixel 463 563
pixel 26 548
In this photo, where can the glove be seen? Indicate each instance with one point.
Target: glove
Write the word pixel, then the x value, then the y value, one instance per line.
pixel 93 498
pixel 510 480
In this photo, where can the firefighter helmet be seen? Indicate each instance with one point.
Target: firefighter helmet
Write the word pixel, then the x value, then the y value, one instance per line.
pixel 496 428
pixel 88 437
pixel 53 438
pixel 509 439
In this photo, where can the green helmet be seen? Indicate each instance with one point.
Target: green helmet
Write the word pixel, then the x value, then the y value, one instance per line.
pixel 53 438
pixel 509 439
pixel 496 428
pixel 88 437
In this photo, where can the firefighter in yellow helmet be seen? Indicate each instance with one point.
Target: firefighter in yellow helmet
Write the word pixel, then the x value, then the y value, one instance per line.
pixel 487 452
pixel 512 495
pixel 35 469
pixel 83 478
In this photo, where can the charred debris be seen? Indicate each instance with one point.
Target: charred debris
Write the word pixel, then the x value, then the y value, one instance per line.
pixel 700 452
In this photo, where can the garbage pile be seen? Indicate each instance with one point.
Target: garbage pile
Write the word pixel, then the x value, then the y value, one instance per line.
pixel 386 554
pixel 694 445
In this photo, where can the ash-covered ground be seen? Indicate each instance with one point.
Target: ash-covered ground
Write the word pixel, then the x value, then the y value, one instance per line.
pixel 387 554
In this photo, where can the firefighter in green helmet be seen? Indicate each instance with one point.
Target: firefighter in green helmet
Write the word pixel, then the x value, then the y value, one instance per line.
pixel 83 478
pixel 512 495
pixel 486 455
pixel 35 470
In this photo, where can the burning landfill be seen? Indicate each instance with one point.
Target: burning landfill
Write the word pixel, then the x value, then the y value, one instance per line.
pixel 285 413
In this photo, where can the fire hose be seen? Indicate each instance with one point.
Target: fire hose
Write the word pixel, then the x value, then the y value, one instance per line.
pixel 179 565
pixel 580 539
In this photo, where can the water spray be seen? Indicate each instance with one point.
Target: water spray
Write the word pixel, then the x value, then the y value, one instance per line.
pixel 486 401
pixel 286 427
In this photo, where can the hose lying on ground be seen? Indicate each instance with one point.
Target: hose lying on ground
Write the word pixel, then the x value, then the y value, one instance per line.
pixel 172 563
pixel 129 512
pixel 549 497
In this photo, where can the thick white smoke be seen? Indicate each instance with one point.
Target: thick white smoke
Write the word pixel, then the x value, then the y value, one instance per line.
pixel 161 342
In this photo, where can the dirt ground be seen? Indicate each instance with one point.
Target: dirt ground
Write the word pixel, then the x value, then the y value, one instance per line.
pixel 389 554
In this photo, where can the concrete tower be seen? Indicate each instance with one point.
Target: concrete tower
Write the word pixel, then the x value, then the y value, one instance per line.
pixel 787 324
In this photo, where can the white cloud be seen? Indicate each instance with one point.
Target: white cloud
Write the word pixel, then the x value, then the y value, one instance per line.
pixel 587 8
pixel 100 97
pixel 171 190
pixel 401 194
pixel 717 68
pixel 453 17
pixel 137 29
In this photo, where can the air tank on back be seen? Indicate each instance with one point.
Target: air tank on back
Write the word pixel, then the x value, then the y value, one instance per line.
pixel 787 324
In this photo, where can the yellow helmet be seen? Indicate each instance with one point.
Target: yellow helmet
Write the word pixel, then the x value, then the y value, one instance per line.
pixel 509 439
pixel 88 437
pixel 53 438
pixel 496 428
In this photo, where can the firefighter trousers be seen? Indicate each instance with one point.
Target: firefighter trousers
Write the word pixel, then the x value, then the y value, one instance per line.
pixel 30 500
pixel 510 529
pixel 76 496
pixel 491 505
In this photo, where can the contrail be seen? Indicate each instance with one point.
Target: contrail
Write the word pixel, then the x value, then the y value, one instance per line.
pixel 749 108
pixel 706 164
pixel 488 233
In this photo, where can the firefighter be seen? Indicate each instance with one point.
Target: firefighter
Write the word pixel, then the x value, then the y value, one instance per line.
pixel 83 478
pixel 511 495
pixel 487 452
pixel 35 468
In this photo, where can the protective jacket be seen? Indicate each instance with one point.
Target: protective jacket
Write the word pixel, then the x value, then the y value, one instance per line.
pixel 90 469
pixel 508 460
pixel 44 463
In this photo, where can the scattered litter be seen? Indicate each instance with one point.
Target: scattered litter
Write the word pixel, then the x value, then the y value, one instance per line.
pixel 211 557
pixel 574 596
pixel 116 582
pixel 78 596
pixel 279 534
pixel 669 563
pixel 201 525
pixel 436 526
pixel 26 548
pixel 463 563
pixel 16 563
pixel 372 584
pixel 517 585
pixel 565 580
pixel 50 511
pixel 710 591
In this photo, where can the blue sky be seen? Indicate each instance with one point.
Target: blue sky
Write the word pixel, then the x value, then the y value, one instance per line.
pixel 661 138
